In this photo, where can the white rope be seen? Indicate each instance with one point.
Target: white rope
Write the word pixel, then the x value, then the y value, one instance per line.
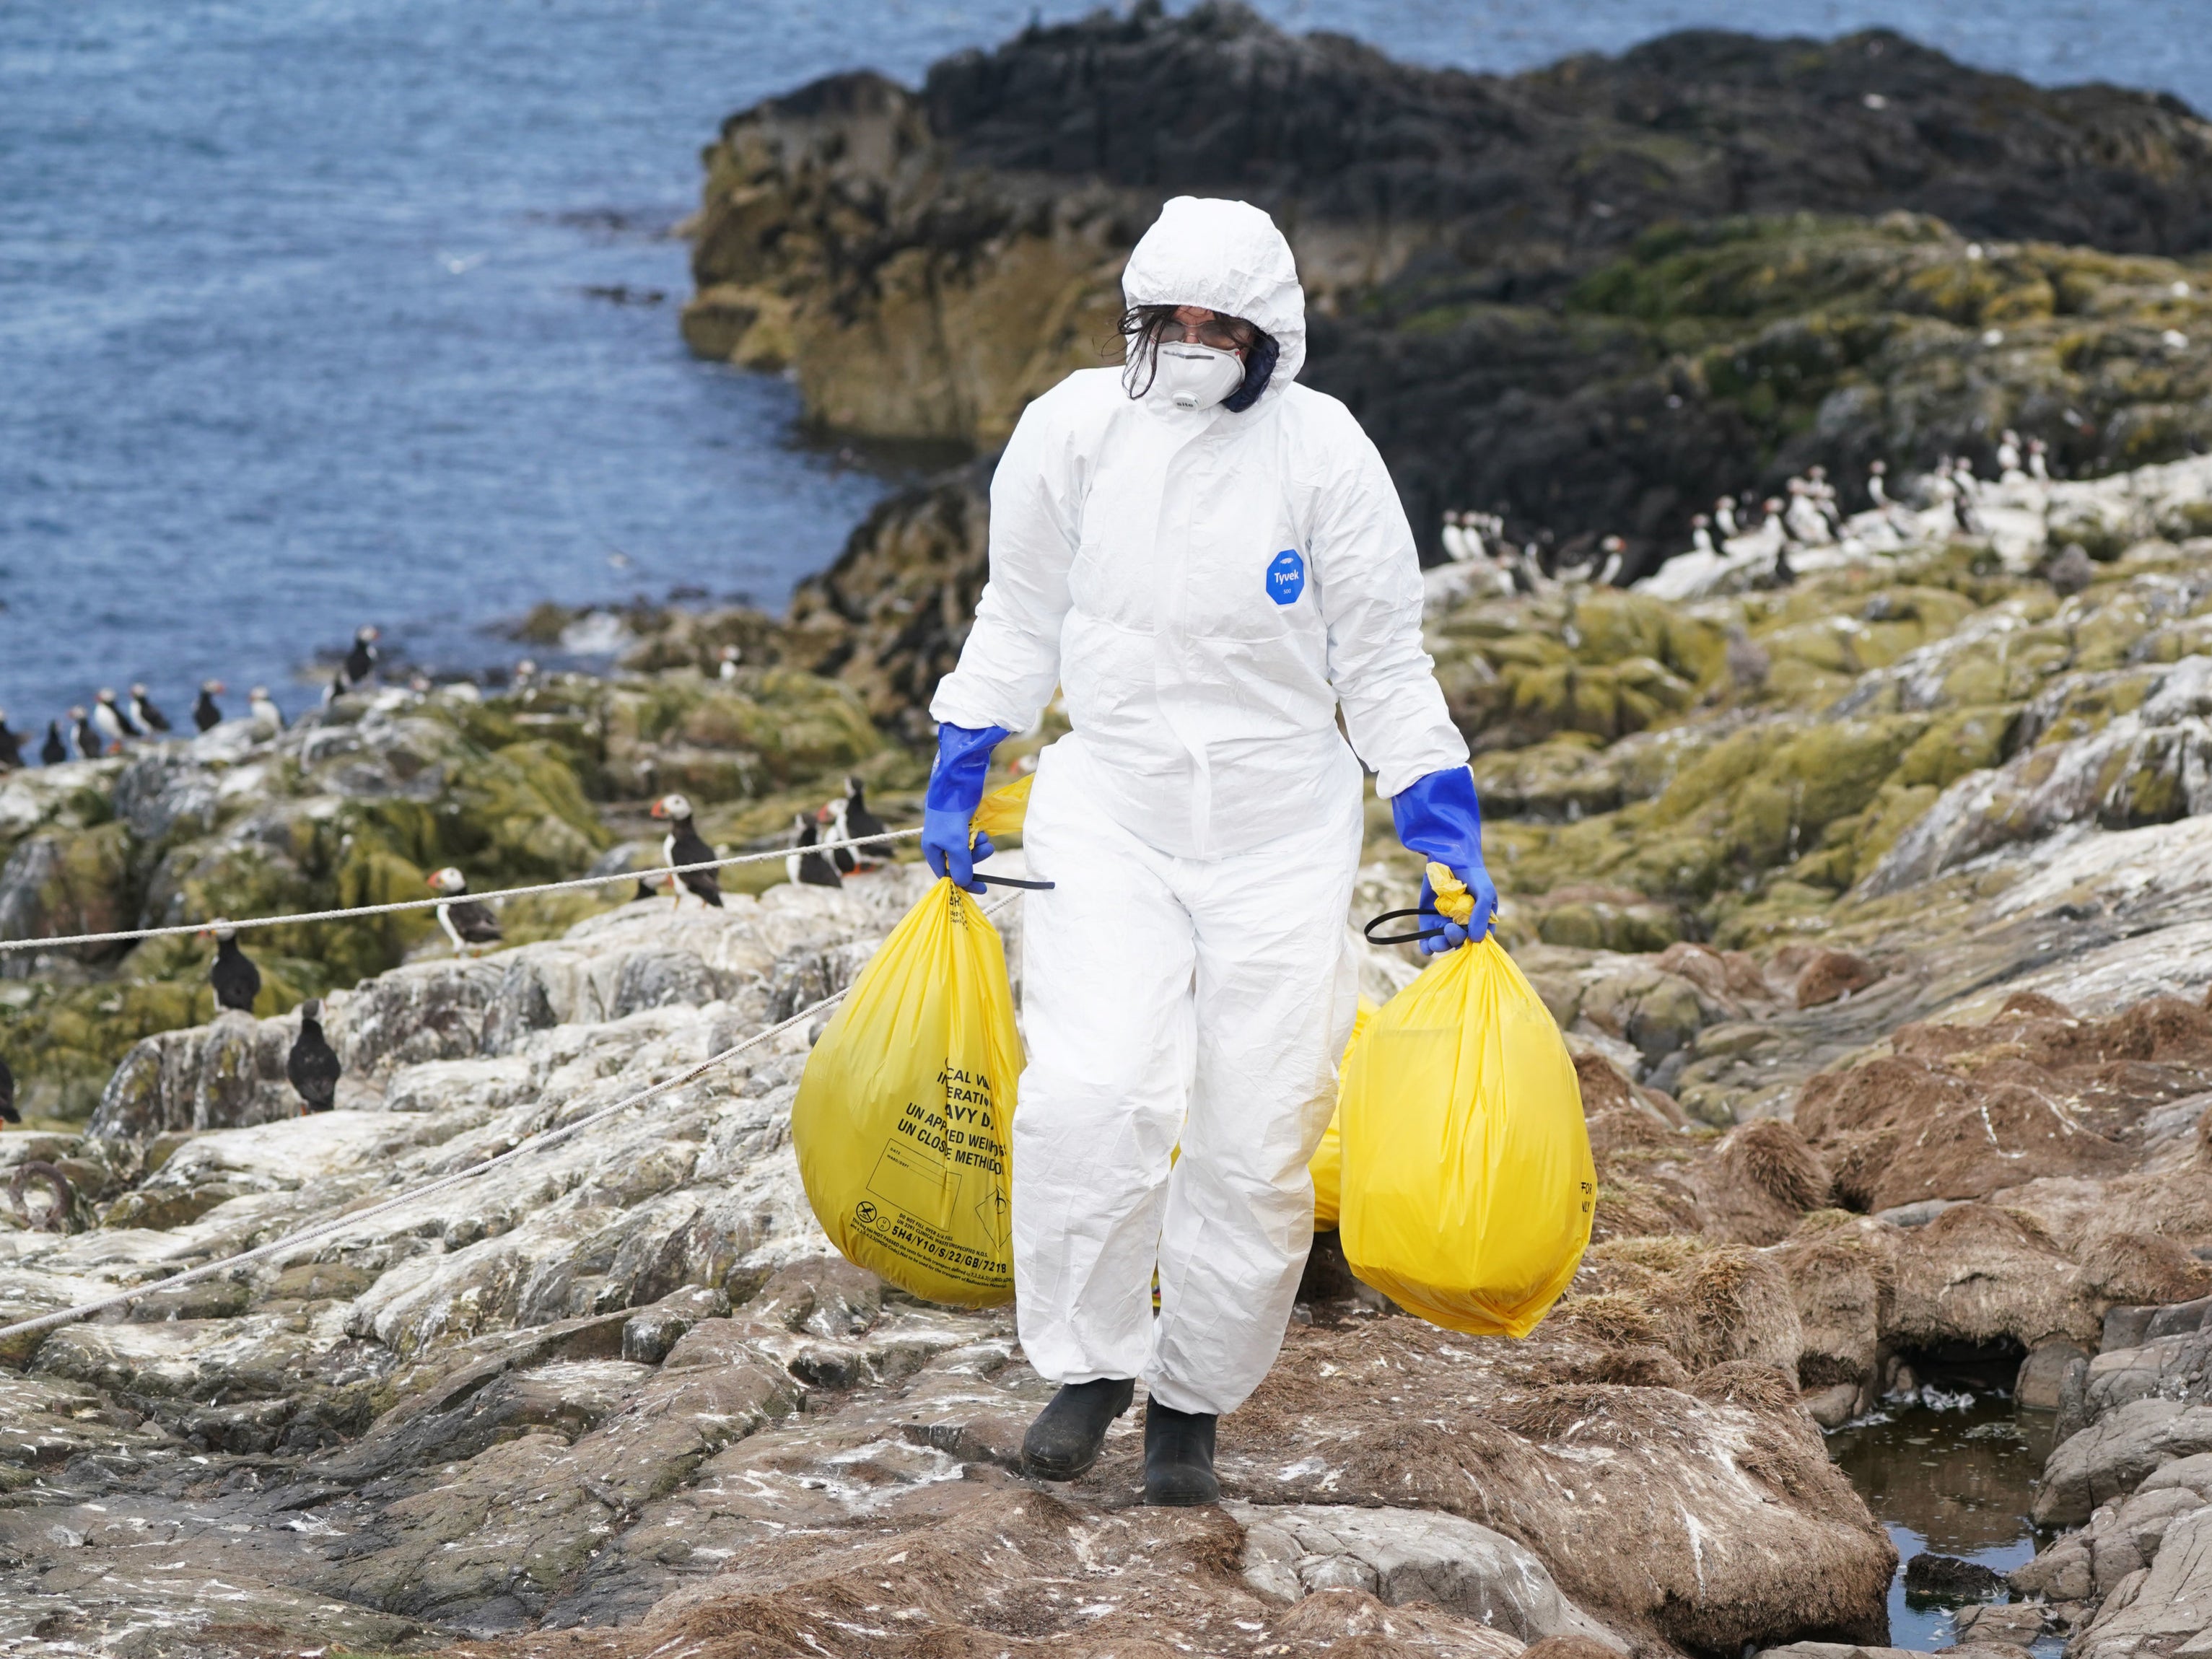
pixel 341 1223
pixel 457 898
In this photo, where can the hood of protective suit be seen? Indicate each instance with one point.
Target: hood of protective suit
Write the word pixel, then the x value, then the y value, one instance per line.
pixel 1229 257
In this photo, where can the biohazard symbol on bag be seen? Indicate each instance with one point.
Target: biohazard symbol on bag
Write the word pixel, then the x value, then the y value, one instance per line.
pixel 1467 1179
pixel 902 1119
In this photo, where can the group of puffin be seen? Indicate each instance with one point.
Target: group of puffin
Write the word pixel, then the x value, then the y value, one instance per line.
pixel 847 818
pixel 809 863
pixel 312 1065
pixel 103 729
pixel 1808 513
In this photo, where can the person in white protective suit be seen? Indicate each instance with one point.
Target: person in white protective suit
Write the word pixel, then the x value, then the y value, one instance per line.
pixel 1210 561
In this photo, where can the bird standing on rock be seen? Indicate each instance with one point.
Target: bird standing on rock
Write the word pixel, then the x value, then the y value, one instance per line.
pixel 110 722
pixel 84 737
pixel 805 864
pixel 54 751
pixel 11 745
pixel 861 823
pixel 263 708
pixel 205 714
pixel 143 711
pixel 360 663
pixel 312 1065
pixel 469 923
pixel 237 981
pixel 684 845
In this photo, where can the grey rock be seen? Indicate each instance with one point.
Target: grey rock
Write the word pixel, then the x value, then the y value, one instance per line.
pixel 2144 1518
pixel 224 1075
pixel 166 792
pixel 1916 1215
pixel 661 978
pixel 2168 1609
pixel 2111 1457
pixel 522 1004
pixel 650 1333
pixel 2183 1473
pixel 1408 1555
pixel 2064 1572
pixel 2176 1367
pixel 2126 1326
pixel 2042 1381
pixel 2178 1318
pixel 2112 1558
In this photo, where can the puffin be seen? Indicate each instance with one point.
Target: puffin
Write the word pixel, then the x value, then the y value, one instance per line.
pixel 237 981
pixel 1701 537
pixel 727 657
pixel 831 818
pixel 11 745
pixel 205 714
pixel 644 890
pixel 143 711
pixel 54 751
pixel 468 923
pixel 684 845
pixel 264 708
pixel 84 737
pixel 803 864
pixel 1616 554
pixel 111 722
pixel 360 663
pixel 861 822
pixel 1455 539
pixel 8 1112
pixel 312 1065
pixel 1878 483
pixel 1725 516
pixel 2039 461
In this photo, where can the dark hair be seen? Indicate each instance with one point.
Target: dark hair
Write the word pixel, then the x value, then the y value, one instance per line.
pixel 1142 327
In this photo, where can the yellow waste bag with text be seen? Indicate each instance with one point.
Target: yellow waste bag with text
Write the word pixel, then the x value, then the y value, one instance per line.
pixel 900 1123
pixel 1468 1187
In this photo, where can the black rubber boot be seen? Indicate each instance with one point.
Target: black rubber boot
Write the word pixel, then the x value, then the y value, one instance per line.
pixel 1064 1439
pixel 1179 1456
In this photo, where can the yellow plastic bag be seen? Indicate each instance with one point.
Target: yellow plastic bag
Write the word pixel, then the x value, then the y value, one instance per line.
pixel 1327 1165
pixel 1001 813
pixel 1467 1185
pixel 902 1119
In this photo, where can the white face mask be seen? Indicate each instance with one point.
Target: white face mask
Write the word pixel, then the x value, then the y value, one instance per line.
pixel 1196 376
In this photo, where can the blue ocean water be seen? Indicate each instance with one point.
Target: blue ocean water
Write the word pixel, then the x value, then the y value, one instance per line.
pixel 305 313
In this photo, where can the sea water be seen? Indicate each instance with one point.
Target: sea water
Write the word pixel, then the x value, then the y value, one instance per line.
pixel 315 312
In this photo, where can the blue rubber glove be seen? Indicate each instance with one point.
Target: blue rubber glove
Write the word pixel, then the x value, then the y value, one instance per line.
pixel 1438 817
pixel 956 788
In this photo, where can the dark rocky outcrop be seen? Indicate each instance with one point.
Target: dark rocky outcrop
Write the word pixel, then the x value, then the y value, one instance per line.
pixel 1590 297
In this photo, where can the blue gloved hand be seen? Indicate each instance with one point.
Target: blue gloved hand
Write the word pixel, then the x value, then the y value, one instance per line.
pixel 956 788
pixel 1438 817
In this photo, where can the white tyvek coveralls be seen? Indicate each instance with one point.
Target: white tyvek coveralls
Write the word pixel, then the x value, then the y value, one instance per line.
pixel 1208 588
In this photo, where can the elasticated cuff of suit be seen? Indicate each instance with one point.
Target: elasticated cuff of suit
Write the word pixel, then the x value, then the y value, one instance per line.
pixel 963 756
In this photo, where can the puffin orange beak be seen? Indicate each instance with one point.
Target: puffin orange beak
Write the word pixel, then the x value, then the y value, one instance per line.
pixel 656 810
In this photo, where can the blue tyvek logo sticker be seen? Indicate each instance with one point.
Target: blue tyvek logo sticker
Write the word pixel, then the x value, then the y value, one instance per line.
pixel 1287 577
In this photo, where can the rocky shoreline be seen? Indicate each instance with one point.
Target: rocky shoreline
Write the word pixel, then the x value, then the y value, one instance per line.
pixel 1876 903
pixel 1589 298
pixel 1884 966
